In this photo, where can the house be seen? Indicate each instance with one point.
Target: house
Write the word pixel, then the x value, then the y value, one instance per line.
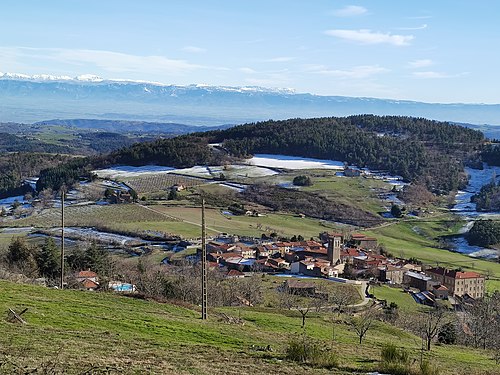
pixel 352 172
pixel 369 261
pixel 279 263
pixel 87 275
pixel 299 287
pixel 440 291
pixel 348 254
pixel 417 280
pixel 178 187
pixel 459 282
pixel 239 263
pixel 235 274
pixel 363 241
pixel 391 274
pixel 87 280
pixel 219 247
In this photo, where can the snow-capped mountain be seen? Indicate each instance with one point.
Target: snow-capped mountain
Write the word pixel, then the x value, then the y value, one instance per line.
pixel 25 98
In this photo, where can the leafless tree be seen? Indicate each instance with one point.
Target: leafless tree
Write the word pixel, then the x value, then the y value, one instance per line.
pixel 429 323
pixel 304 310
pixel 363 322
pixel 46 196
pixel 341 298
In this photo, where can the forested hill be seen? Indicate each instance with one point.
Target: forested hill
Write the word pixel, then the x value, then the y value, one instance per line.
pixel 420 150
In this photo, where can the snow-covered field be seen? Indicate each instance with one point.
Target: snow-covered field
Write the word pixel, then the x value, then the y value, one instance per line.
pixel 124 171
pixel 127 171
pixel 294 162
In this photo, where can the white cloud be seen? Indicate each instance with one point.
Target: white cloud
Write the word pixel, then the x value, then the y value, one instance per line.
pixel 247 70
pixel 357 72
pixel 193 49
pixel 432 74
pixel 421 27
pixel 350 11
pixel 109 61
pixel 365 36
pixel 423 63
pixel 279 59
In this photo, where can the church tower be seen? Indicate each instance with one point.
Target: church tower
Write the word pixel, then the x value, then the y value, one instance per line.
pixel 335 241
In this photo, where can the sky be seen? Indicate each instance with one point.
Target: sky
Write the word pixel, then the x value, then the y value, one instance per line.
pixel 433 51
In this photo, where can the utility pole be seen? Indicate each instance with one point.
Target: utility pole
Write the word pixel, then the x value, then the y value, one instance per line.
pixel 61 282
pixel 203 263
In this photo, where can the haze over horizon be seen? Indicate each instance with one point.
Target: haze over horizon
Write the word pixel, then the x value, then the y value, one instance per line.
pixel 421 51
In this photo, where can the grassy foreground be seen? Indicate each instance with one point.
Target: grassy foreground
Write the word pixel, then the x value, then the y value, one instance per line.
pixel 74 332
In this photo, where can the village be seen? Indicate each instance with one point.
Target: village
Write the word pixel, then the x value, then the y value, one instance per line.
pixel 342 258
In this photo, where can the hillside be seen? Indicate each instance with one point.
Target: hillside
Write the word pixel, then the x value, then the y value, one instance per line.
pixel 75 332
pixel 419 150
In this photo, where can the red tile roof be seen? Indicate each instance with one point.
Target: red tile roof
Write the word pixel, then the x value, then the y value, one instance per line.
pixel 235 273
pixel 89 284
pixel 86 274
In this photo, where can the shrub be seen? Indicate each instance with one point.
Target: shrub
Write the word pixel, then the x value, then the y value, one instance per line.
pixel 395 361
pixel 305 350
pixel 302 181
pixel 426 368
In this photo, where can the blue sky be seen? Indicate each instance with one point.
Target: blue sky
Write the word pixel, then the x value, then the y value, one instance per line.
pixel 425 50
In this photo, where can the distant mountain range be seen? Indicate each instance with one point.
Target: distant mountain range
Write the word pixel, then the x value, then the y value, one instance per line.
pixel 36 98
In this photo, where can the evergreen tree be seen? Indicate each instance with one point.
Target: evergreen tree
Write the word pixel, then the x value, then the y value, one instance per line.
pixel 21 257
pixel 98 260
pixel 48 259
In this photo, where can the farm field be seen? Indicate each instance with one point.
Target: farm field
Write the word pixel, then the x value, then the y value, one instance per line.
pixel 282 224
pixel 90 215
pixel 106 333
pixel 357 191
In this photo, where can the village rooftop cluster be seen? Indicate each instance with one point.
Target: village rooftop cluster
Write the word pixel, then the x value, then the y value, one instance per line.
pixel 342 258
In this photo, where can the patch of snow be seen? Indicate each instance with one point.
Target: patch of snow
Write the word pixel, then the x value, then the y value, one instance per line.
pixel 294 162
pixel 477 179
pixel 461 245
pixel 89 78
pixel 7 202
pixel 130 171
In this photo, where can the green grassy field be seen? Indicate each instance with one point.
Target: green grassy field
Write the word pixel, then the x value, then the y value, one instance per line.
pixel 356 191
pixel 75 332
pixel 404 300
pixel 403 240
pixel 283 224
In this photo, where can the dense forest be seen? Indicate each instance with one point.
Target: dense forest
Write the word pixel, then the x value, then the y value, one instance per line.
pixel 488 198
pixel 422 151
pixel 15 167
pixel 68 173
pixel 419 150
pixel 491 154
pixel 14 143
pixel 484 233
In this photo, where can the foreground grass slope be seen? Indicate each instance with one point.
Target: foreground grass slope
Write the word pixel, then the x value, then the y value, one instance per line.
pixel 74 332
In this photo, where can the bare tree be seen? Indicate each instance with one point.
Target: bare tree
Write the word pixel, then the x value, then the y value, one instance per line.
pixel 304 310
pixel 341 299
pixel 363 322
pixel 429 323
